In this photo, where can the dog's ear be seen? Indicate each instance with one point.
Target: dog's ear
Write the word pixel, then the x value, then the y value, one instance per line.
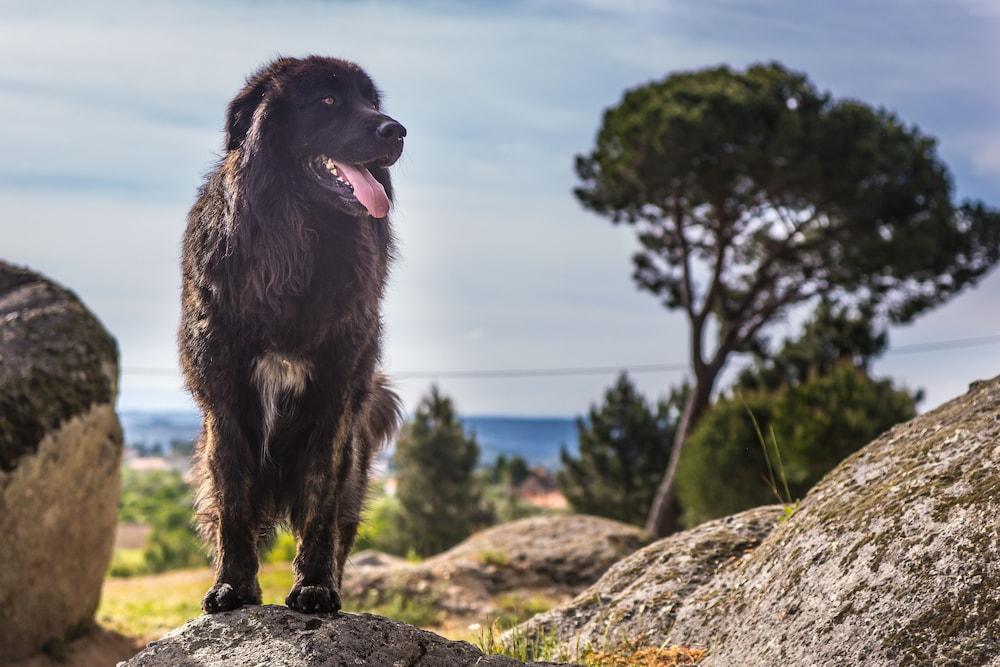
pixel 239 116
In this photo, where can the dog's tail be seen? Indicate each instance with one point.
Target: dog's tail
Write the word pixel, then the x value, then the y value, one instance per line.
pixel 385 412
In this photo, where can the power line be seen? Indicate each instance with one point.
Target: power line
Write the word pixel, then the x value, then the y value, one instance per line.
pixel 932 346
pixel 945 345
pixel 540 372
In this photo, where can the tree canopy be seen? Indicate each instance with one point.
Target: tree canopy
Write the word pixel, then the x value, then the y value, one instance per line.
pixel 753 192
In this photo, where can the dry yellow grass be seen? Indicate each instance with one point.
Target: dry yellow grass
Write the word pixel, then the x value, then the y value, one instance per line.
pixel 674 656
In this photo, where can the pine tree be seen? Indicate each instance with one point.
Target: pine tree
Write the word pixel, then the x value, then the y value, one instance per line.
pixel 623 446
pixel 753 193
pixel 435 460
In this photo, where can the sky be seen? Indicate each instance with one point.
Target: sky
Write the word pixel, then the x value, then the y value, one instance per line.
pixel 112 113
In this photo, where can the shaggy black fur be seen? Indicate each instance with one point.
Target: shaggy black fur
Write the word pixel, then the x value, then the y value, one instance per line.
pixel 283 274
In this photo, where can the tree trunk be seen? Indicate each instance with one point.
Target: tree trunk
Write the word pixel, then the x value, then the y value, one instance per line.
pixel 662 519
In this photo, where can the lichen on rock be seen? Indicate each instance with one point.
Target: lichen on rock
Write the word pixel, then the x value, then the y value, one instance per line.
pixel 892 559
pixel 552 556
pixel 60 459
pixel 56 361
pixel 636 601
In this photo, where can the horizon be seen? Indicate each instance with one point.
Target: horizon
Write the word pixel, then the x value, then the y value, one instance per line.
pixel 500 268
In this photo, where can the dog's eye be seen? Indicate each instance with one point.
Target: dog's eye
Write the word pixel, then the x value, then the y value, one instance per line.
pixel 328 101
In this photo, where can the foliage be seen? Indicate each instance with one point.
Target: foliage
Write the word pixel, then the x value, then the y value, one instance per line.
pixel 513 470
pixel 499 501
pixel 545 646
pixel 145 493
pixel 435 460
pixel 818 423
pixel 419 610
pixel 282 548
pixel 162 500
pixel 624 446
pixel 494 557
pixel 753 192
pixel 152 605
pixel 834 334
pixel 787 193
pixel 127 563
pixel 515 608
pixel 380 524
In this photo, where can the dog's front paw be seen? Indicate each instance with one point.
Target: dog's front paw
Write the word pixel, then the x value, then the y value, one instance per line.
pixel 226 597
pixel 313 599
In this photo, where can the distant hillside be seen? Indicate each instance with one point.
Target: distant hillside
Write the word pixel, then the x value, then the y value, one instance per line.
pixel 537 439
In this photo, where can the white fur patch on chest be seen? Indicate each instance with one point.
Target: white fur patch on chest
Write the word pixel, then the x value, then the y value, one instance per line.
pixel 276 374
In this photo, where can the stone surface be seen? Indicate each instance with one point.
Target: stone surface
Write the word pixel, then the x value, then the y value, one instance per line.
pixel 892 559
pixel 636 601
pixel 272 636
pixel 554 556
pixel 60 457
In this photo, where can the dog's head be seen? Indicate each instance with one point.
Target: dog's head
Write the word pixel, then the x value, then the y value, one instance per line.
pixel 321 120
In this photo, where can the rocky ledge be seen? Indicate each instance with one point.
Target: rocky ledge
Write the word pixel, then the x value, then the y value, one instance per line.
pixel 272 636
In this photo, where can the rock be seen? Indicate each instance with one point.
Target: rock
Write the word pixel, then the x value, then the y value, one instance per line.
pixel 554 556
pixel 892 559
pixel 636 601
pixel 60 457
pixel 571 550
pixel 272 636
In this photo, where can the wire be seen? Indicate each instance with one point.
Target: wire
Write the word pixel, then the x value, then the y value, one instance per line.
pixel 932 346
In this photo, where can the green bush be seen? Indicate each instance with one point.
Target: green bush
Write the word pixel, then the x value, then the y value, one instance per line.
pixel 816 424
pixel 162 500
pixel 379 527
pixel 282 548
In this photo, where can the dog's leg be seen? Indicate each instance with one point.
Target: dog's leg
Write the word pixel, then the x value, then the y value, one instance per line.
pixel 350 515
pixel 316 514
pixel 381 419
pixel 230 513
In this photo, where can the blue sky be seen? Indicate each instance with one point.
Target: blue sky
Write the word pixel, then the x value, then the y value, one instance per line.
pixel 111 112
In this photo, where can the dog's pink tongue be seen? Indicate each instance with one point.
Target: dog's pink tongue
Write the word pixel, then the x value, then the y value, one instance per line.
pixel 369 192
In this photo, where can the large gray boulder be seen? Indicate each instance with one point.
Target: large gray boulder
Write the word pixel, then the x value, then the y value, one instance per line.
pixel 892 559
pixel 272 636
pixel 636 602
pixel 556 556
pixel 60 455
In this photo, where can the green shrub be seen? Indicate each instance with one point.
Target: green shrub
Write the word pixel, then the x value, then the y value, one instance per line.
pixel 380 523
pixel 282 548
pixel 419 610
pixel 817 424
pixel 162 500
pixel 127 563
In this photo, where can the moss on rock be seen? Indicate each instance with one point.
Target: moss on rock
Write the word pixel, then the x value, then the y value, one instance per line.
pixel 56 361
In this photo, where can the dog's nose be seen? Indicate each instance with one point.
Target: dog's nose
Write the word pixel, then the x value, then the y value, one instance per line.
pixel 390 129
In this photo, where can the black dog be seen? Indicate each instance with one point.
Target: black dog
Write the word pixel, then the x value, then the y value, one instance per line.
pixel 284 264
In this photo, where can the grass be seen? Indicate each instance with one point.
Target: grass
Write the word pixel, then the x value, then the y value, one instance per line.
pixel 127 563
pixel 514 608
pixel 149 606
pixel 400 606
pixel 545 647
pixel 494 557
pixel 774 476
pixel 541 646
